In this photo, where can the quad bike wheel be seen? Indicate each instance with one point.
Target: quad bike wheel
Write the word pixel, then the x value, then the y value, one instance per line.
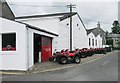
pixel 77 59
pixel 63 60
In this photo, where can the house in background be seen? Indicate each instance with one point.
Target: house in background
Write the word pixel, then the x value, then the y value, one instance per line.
pixel 115 38
pixel 98 31
pixel 94 41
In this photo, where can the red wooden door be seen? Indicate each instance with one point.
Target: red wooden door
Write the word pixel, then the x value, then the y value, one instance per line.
pixel 46 48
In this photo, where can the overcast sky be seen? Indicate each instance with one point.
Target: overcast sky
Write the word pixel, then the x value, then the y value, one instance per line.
pixel 105 11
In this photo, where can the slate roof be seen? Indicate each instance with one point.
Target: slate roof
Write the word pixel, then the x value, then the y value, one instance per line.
pixel 96 31
pixel 5 10
pixel 89 31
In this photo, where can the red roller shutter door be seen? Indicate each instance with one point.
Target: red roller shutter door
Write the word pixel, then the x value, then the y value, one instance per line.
pixel 46 48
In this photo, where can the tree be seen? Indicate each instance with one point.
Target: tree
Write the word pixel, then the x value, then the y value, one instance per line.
pixel 118 44
pixel 109 42
pixel 116 27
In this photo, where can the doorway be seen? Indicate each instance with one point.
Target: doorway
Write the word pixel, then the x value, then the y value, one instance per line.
pixel 42 48
pixel 46 48
pixel 37 47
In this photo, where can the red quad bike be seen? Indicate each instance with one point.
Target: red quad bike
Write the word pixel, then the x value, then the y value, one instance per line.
pixel 83 52
pixel 100 51
pixel 66 56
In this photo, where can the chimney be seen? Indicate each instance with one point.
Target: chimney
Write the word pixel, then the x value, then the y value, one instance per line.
pixel 98 25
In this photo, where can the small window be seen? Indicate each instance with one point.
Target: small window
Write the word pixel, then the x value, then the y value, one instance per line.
pixel 92 42
pixel 45 41
pixel 96 42
pixel 9 42
pixel 77 24
pixel 67 24
pixel 116 40
pixel 89 42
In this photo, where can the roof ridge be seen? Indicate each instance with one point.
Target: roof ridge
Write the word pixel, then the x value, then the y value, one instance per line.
pixel 44 15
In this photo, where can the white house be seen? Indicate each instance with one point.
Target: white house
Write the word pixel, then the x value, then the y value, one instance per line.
pixel 91 39
pixel 94 41
pixel 98 42
pixel 98 31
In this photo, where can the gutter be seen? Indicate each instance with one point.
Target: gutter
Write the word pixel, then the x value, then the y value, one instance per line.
pixel 38 29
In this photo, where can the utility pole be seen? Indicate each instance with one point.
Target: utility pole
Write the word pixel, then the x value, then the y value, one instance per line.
pixel 71 6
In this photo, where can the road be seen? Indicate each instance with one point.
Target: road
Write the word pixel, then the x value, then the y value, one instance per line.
pixel 104 69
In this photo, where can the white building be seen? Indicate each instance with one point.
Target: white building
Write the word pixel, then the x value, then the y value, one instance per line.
pixel 15 34
pixel 34 39
pixel 98 31
pixel 23 45
pixel 60 25
pixel 79 34
pixel 94 41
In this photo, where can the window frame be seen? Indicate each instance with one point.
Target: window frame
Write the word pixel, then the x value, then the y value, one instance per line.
pixel 12 49
pixel 0 42
pixel 96 42
pixel 92 42
pixel 89 41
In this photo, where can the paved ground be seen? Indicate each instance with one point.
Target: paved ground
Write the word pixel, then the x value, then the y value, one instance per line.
pixel 50 66
pixel 101 68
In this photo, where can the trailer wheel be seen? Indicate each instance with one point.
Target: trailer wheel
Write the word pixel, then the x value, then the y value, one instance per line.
pixel 62 60
pixel 77 59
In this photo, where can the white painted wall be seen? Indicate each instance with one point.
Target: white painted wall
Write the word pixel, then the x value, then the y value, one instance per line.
pixel 0 41
pixel 23 57
pixel 98 38
pixel 62 41
pixel 31 44
pixel 46 23
pixel 50 24
pixel 61 28
pixel 91 36
pixel 53 24
pixel 99 41
pixel 0 32
pixel 14 60
pixel 79 35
